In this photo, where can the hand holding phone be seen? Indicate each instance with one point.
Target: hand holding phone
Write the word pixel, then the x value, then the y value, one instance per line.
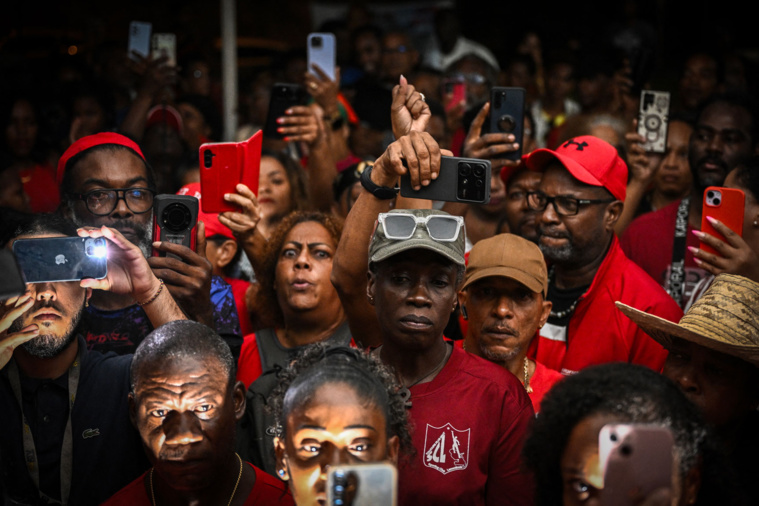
pixel 507 116
pixel 225 164
pixel 461 180
pixel 725 205
pixel 58 259
pixel 283 96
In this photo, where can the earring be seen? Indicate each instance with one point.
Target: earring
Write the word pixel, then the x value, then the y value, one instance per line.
pixel 756 223
pixel 463 312
pixel 86 302
pixel 281 473
pixel 371 300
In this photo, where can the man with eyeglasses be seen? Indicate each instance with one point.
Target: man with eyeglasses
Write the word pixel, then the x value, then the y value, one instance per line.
pixel 397 273
pixel 105 180
pixel 579 200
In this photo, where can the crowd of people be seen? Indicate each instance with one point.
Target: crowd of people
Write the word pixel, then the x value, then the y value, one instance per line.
pixel 477 349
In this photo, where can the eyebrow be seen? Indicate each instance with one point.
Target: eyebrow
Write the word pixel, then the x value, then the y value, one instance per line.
pixel 310 245
pixel 319 427
pixel 105 183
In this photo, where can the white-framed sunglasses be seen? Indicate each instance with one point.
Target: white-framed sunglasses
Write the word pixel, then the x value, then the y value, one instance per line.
pixel 440 227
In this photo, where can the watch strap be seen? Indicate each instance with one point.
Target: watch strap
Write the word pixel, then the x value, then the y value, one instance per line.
pixel 379 192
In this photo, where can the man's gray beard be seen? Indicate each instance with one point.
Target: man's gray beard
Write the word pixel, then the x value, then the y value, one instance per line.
pixel 557 255
pixel 48 345
pixel 145 240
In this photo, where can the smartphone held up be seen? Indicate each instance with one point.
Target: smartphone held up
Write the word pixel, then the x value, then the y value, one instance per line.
pixel 54 259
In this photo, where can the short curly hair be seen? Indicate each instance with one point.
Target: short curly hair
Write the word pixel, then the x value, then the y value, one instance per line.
pixel 266 298
pixel 319 364
pixel 636 395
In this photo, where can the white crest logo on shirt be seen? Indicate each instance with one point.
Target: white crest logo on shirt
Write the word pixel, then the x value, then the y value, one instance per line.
pixel 446 448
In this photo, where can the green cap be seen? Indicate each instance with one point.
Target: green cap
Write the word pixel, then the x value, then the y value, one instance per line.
pixel 382 248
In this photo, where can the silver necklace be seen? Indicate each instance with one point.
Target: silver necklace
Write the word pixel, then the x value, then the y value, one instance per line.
pixel 568 311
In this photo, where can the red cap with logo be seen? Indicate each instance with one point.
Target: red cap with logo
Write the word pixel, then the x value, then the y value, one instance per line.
pixel 590 160
pixel 211 220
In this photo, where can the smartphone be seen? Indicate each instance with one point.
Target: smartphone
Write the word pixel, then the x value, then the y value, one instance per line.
pixel 175 220
pixel 165 44
pixel 223 165
pixel 507 115
pixel 636 460
pixel 283 96
pixel 12 281
pixel 139 39
pixel 455 93
pixel 372 484
pixel 460 180
pixel 726 205
pixel 653 120
pixel 321 51
pixel 55 259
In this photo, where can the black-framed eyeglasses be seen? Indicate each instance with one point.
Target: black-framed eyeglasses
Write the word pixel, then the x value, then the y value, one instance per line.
pixel 564 206
pixel 103 201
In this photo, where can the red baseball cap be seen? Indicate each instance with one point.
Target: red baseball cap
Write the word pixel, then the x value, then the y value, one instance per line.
pixel 90 141
pixel 164 114
pixel 213 225
pixel 509 170
pixel 590 160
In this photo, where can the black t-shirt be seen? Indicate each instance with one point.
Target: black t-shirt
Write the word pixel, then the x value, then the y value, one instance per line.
pixel 563 300
pixel 108 452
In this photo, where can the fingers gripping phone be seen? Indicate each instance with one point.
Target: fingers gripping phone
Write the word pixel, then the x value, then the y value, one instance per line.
pixel 460 180
pixel 362 485
pixel 725 205
pixel 507 115
pixel 225 164
pixel 321 51
pixel 283 96
pixel 636 459
pixel 53 259
pixel 175 220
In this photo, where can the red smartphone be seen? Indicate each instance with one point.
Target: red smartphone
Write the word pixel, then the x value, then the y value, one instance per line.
pixel 636 461
pixel 725 205
pixel 225 164
pixel 455 96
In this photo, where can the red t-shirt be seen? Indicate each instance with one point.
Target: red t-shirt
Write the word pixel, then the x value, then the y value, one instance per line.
pixel 239 287
pixel 469 424
pixel 541 380
pixel 266 490
pixel 649 241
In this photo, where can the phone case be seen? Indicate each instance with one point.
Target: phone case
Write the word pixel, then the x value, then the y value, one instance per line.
pixel 457 96
pixel 726 205
pixel 372 484
pixel 223 165
pixel 55 259
pixel 139 38
pixel 653 120
pixel 283 96
pixel 460 180
pixel 12 281
pixel 507 115
pixel 165 44
pixel 637 459
pixel 175 220
pixel 321 51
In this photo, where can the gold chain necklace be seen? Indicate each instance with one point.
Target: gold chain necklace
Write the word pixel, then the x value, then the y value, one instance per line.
pixel 527 386
pixel 237 483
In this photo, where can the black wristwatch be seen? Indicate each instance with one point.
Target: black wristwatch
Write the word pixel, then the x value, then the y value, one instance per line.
pixel 379 192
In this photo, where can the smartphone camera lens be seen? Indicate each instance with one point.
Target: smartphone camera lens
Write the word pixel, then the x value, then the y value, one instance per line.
pixel 506 123
pixel 479 171
pixel 316 42
pixel 465 169
pixel 625 450
pixel 176 217
pixel 716 201
pixel 208 158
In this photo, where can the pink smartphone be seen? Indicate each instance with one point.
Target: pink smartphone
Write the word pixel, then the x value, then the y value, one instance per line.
pixel 636 459
pixel 223 165
pixel 725 205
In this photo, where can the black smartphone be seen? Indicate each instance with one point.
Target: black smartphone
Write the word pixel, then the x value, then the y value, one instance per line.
pixel 460 180
pixel 507 115
pixel 12 281
pixel 54 259
pixel 283 96
pixel 175 220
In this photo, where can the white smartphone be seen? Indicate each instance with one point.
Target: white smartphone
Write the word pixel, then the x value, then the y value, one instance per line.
pixel 372 484
pixel 636 460
pixel 165 44
pixel 653 120
pixel 321 51
pixel 139 39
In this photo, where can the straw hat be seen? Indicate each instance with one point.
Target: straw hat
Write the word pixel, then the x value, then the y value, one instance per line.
pixel 725 319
